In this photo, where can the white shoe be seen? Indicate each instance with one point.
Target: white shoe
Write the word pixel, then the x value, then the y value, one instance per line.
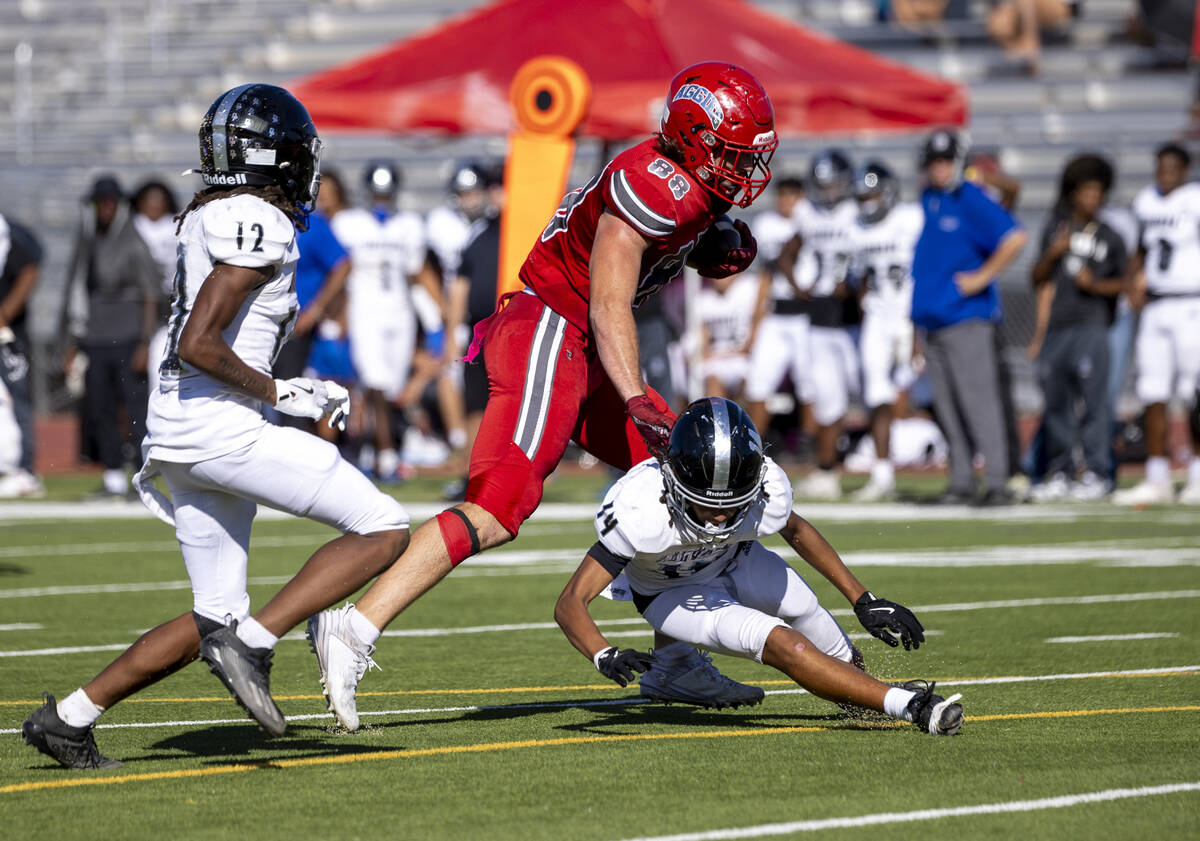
pixel 820 484
pixel 693 679
pixel 1090 488
pixel 21 483
pixel 1190 495
pixel 1054 489
pixel 875 492
pixel 342 659
pixel 1144 493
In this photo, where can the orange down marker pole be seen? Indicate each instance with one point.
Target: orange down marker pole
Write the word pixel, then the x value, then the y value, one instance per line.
pixel 550 97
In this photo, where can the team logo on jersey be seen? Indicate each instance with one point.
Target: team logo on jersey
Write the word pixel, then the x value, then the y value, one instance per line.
pixel 706 100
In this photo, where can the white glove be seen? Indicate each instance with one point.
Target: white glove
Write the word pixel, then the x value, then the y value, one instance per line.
pixel 302 397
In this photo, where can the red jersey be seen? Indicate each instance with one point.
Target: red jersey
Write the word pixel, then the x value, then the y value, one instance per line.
pixel 645 189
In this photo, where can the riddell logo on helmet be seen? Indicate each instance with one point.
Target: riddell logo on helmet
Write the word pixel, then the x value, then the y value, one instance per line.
pixel 705 99
pixel 219 179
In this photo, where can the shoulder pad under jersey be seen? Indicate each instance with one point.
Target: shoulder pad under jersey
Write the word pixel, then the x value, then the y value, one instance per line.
pixel 634 518
pixel 246 231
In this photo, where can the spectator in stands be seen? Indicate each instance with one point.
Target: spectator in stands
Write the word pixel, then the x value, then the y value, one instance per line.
pixel 114 293
pixel 779 330
pixel 1166 285
pixel 1017 26
pixel 20 255
pixel 321 276
pixel 914 14
pixel 967 241
pixel 154 210
pixel 1077 277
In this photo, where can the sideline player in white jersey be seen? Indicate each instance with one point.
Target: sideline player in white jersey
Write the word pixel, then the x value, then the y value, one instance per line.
pixel 882 245
pixel 685 537
pixel 1166 283
pixel 387 252
pixel 725 309
pixel 779 331
pixel 234 305
pixel 824 222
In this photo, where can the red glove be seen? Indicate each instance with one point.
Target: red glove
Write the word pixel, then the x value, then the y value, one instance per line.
pixel 734 260
pixel 653 425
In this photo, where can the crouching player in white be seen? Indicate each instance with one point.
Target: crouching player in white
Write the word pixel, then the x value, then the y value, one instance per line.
pixel 234 306
pixel 686 534
pixel 882 243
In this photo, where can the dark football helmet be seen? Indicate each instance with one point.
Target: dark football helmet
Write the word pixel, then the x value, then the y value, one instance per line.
pixel 714 459
pixel 829 178
pixel 946 144
pixel 381 179
pixel 719 120
pixel 876 190
pixel 261 135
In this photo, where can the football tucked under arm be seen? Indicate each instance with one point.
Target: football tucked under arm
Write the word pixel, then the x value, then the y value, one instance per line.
pixel 725 249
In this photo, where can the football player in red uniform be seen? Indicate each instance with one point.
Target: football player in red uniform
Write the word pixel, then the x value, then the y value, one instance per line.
pixel 562 356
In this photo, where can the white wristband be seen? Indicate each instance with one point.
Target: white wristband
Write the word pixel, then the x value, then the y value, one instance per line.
pixel 596 657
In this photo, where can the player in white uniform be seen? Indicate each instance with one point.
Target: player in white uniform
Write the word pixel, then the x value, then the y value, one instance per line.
pixel 779 331
pixel 234 304
pixel 685 535
pixel 1166 277
pixel 725 309
pixel 387 251
pixel 882 245
pixel 824 221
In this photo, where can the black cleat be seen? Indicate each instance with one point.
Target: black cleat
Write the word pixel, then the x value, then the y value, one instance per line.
pixel 246 673
pixel 932 713
pixel 71 747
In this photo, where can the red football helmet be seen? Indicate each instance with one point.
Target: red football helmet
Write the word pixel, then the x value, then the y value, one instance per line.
pixel 720 121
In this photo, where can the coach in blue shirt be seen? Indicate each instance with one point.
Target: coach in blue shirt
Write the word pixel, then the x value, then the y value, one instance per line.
pixel 967 241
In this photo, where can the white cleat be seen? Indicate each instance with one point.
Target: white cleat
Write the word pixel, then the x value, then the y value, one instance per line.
pixel 1054 489
pixel 1190 495
pixel 875 492
pixel 343 661
pixel 820 484
pixel 1090 488
pixel 1145 493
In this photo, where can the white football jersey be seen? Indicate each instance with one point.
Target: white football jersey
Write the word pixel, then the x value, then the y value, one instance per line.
pixel 191 416
pixel 825 255
pixel 634 523
pixel 1171 238
pixel 727 316
pixel 882 258
pixel 448 233
pixel 384 255
pixel 772 231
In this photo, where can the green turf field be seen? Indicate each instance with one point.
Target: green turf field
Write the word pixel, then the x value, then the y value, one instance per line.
pixel 1071 632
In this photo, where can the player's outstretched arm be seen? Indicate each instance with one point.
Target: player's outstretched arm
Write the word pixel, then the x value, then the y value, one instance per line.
pixel 571 614
pixel 615 265
pixel 879 617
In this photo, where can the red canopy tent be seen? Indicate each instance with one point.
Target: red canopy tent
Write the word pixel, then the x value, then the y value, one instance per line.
pixel 455 78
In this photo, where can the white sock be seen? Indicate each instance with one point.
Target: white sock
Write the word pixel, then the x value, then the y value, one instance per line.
pixel 254 634
pixel 115 481
pixel 883 472
pixel 78 710
pixel 895 703
pixel 1158 470
pixel 388 462
pixel 457 438
pixel 363 629
pixel 1194 471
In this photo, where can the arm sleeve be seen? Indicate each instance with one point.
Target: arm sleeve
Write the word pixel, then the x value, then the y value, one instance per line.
pixel 641 203
pixel 247 232
pixel 988 223
pixel 612 562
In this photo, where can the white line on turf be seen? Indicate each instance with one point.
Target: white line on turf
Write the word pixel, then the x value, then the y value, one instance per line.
pixel 21 626
pixel 634 699
pixel 1112 638
pixel 851 822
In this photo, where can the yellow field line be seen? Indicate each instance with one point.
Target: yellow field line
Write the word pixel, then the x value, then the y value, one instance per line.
pixel 571 688
pixel 488 747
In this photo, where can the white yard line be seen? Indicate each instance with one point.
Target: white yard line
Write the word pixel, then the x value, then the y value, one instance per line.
pixel 634 699
pixel 852 822
pixel 1112 638
pixel 21 626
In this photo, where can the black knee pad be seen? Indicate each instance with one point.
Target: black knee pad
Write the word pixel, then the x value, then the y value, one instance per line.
pixel 205 625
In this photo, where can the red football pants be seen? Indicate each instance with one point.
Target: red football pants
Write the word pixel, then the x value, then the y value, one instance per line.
pixel 545 389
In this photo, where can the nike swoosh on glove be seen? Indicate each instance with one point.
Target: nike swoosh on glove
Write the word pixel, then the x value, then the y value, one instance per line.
pixel 879 616
pixel 303 397
pixel 653 425
pixel 620 665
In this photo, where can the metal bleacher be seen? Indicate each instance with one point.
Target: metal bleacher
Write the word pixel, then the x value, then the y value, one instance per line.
pixel 119 85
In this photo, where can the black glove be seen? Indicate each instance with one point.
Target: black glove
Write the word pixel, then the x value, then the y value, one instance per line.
pixel 620 665
pixel 879 616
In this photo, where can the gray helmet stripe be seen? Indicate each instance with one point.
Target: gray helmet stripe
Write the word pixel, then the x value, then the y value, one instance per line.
pixel 219 141
pixel 722 446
